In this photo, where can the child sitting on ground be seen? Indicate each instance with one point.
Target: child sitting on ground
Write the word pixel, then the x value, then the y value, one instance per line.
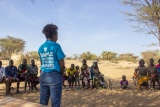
pixel 124 82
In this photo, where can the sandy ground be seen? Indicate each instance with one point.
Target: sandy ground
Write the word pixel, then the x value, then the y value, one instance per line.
pixel 100 97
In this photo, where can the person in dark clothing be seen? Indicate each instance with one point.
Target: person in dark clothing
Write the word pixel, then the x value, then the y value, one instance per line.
pixel 11 76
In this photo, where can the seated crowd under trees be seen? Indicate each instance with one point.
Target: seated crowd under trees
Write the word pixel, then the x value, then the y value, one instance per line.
pixel 24 72
pixel 79 77
pixel 84 73
pixel 91 77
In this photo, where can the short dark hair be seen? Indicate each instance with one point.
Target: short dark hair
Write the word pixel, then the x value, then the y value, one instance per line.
pixel 151 59
pixel 141 60
pixel 49 30
pixel 25 59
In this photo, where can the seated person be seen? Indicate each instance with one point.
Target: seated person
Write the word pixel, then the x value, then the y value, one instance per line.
pixel 124 82
pixel 142 74
pixel 70 73
pixel 11 76
pixel 98 77
pixel 33 71
pixel 2 73
pixel 85 74
pixel 77 76
pixel 23 74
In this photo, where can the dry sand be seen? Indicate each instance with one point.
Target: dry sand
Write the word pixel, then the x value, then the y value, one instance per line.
pixel 101 97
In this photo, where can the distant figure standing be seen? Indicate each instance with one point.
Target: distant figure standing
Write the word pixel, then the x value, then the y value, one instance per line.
pixel 52 67
pixel 77 77
pixel 152 72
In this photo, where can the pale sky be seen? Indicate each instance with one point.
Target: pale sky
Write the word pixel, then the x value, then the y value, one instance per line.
pixel 84 25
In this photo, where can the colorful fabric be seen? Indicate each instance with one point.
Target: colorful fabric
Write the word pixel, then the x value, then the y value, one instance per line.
pixel 84 66
pixel 158 68
pixel 22 68
pixel 50 53
pixel 85 71
pixel 123 83
pixel 158 72
pixel 142 79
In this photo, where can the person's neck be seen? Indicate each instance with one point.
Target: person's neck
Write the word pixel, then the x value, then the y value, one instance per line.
pixel 48 39
pixel 71 69
pixel 141 65
pixel 11 66
pixel 24 64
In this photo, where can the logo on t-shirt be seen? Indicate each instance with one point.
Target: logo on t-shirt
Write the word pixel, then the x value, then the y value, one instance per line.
pixel 45 49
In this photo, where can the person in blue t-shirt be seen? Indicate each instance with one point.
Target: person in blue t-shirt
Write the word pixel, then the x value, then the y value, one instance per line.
pixel 52 67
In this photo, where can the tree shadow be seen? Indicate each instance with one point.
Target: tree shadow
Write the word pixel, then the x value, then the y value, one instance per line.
pixel 116 97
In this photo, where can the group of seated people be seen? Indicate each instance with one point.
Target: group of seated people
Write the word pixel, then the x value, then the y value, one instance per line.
pixel 144 75
pixel 24 72
pixel 85 73
pixel 28 74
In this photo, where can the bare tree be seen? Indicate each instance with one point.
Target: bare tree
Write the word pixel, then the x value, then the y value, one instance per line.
pixel 146 14
pixel 155 54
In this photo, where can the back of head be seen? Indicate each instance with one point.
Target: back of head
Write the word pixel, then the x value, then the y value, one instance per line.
pixel 49 30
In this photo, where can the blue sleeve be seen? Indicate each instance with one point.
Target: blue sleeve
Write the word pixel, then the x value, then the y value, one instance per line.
pixel 6 72
pixel 60 54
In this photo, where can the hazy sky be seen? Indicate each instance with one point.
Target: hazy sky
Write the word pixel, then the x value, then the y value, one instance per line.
pixel 84 25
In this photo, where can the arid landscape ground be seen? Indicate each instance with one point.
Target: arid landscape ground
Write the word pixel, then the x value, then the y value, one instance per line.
pixel 100 97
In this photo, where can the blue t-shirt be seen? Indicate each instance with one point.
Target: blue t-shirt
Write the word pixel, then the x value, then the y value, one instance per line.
pixel 11 71
pixel 50 53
